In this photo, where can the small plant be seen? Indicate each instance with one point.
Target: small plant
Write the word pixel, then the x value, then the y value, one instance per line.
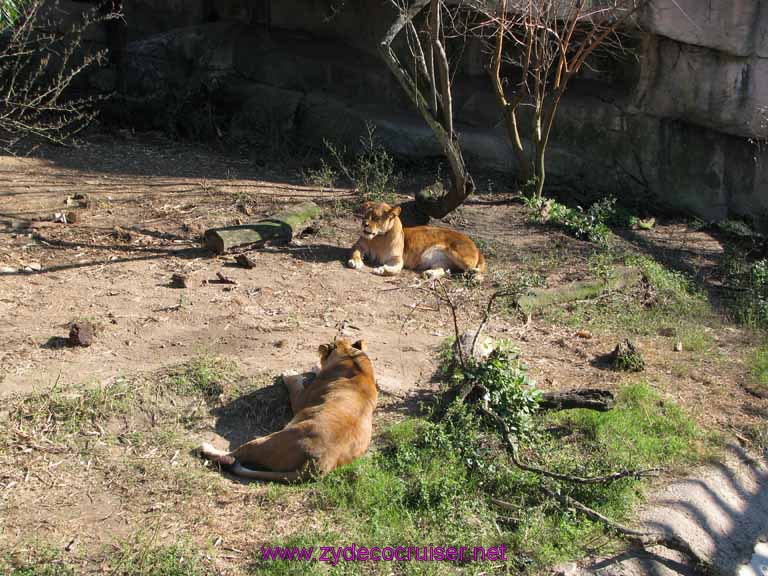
pixel 752 305
pixel 590 224
pixel 38 69
pixel 372 171
pixel 323 177
pixel 627 358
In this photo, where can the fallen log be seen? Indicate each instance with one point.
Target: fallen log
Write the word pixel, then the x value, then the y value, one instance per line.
pixel 281 226
pixel 589 398
pixel 537 298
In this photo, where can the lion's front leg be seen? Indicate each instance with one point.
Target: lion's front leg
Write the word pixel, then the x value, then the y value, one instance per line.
pixel 391 269
pixel 294 382
pixel 356 257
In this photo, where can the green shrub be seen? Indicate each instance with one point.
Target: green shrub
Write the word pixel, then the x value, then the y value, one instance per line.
pixel 590 224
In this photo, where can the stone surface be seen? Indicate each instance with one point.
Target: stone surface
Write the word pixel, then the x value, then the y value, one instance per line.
pixel 729 26
pixel 678 130
pixel 81 334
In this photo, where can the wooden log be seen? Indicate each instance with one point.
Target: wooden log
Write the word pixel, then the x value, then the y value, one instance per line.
pixel 281 226
pixel 537 298
pixel 590 398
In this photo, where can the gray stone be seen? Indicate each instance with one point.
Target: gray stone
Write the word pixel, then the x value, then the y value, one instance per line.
pixel 725 25
pixel 712 89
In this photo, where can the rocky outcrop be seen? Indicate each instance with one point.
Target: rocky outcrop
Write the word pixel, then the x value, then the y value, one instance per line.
pixel 681 129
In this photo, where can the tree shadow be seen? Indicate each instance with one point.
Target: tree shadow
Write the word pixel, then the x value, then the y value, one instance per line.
pixel 722 513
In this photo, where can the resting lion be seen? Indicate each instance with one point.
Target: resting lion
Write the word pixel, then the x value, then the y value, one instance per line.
pixel 387 244
pixel 331 425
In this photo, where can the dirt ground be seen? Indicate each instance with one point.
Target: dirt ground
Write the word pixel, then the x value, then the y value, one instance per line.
pixel 151 198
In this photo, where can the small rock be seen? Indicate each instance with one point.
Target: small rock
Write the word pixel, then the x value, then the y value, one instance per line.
pixel 8 270
pixel 60 217
pixel 281 343
pixel 667 332
pixel 244 261
pixel 568 569
pixel 179 281
pixel 33 267
pixel 678 346
pixel 72 217
pixel 81 334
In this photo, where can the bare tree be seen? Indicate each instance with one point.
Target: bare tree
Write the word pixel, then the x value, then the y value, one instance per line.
pixel 39 62
pixel 429 88
pixel 537 47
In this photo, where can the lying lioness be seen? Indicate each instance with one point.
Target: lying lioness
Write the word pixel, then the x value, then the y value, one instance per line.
pixel 331 425
pixel 425 248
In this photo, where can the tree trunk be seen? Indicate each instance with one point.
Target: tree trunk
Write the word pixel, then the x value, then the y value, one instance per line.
pixel 281 226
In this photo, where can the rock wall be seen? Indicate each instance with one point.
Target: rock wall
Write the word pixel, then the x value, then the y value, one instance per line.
pixel 681 128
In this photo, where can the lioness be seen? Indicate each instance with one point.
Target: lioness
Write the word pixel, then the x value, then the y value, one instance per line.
pixel 331 425
pixel 424 248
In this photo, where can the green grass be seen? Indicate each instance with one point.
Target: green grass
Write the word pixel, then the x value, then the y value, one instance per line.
pixel 758 369
pixel 205 375
pixel 666 300
pixel 134 557
pixel 430 484
pixel 69 411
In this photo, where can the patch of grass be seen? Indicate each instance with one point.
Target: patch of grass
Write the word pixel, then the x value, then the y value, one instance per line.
pixel 137 558
pixel 666 300
pixel 431 481
pixel 131 558
pixel 59 413
pixel 205 375
pixel 758 369
pixel 642 431
pixel 35 560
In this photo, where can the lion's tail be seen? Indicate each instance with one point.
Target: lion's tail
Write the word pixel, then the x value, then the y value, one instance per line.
pixel 241 470
pixel 230 463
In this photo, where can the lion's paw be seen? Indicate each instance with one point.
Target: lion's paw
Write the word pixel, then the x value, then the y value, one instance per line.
pixel 379 270
pixel 354 264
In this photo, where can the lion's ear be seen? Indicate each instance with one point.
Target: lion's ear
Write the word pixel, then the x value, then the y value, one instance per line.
pixel 360 345
pixel 324 351
pixel 395 211
pixel 366 206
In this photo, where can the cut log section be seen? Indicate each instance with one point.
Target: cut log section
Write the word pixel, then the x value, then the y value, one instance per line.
pixel 281 226
pixel 537 298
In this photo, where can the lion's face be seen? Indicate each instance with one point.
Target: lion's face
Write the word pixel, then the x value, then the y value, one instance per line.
pixel 337 351
pixel 378 218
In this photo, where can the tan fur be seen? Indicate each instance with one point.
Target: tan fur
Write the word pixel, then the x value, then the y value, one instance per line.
pixel 331 426
pixel 387 244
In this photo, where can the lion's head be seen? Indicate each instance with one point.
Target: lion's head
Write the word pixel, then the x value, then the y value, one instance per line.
pixel 339 350
pixel 378 218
